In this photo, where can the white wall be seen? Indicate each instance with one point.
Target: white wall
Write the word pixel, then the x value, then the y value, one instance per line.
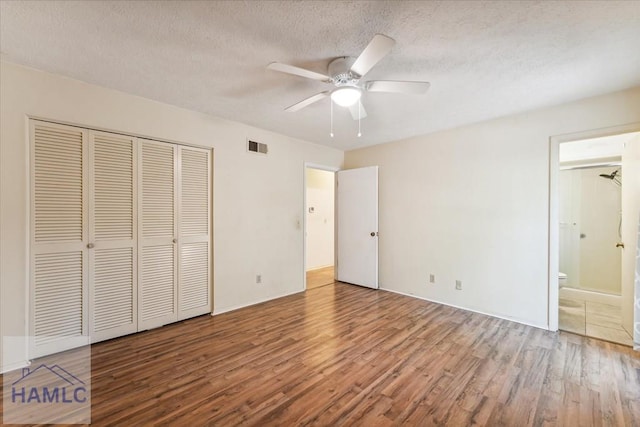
pixel 472 204
pixel 320 222
pixel 600 260
pixel 258 200
pixel 569 202
pixel 593 204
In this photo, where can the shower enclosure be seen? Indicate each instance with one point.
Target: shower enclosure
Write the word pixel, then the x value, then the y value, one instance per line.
pixel 590 220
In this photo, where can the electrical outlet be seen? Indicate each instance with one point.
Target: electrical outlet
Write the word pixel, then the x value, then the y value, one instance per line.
pixel 459 285
pixel 432 278
pixel 258 278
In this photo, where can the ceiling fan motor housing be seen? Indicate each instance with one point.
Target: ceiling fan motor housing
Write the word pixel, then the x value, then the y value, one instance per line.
pixel 340 71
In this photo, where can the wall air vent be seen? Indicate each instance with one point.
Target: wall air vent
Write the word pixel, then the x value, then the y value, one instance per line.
pixel 257 147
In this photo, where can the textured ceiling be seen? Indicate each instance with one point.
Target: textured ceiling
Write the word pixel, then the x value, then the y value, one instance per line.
pixel 483 59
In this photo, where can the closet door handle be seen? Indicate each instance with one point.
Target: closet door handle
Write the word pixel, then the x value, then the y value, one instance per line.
pixel 175 240
pixel 90 245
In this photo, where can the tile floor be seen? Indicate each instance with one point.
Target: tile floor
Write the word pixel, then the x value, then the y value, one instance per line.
pixel 593 320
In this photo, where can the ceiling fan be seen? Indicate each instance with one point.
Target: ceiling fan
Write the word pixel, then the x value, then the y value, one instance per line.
pixel 346 73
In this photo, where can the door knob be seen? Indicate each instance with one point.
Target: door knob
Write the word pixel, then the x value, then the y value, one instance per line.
pixel 89 245
pixel 373 234
pixel 175 240
pixel 620 245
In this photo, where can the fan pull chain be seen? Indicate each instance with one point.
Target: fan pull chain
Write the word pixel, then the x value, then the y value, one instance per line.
pixel 359 118
pixel 331 133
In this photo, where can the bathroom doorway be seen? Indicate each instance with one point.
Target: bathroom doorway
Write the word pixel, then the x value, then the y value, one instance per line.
pixel 590 181
pixel 319 227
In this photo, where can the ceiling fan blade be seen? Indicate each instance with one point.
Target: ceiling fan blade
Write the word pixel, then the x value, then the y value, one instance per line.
pixel 354 111
pixel 372 54
pixel 310 100
pixel 297 71
pixel 411 88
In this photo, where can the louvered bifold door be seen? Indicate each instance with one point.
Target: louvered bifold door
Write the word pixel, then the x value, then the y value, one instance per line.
pixel 58 282
pixel 194 232
pixel 112 235
pixel 157 231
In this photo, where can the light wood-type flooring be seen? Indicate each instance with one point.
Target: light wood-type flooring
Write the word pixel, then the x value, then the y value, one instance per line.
pixel 346 355
pixel 320 277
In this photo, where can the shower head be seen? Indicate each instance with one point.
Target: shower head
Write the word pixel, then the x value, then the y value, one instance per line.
pixel 610 176
pixel 613 176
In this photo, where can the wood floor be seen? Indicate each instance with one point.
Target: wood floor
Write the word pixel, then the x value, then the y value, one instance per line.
pixel 320 277
pixel 345 355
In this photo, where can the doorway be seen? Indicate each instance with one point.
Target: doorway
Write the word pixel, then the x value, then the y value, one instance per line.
pixel 319 226
pixel 591 204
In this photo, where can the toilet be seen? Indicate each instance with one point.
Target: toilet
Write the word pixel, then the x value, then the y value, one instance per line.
pixel 562 279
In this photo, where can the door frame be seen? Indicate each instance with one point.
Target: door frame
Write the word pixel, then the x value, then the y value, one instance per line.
pixel 333 169
pixel 554 204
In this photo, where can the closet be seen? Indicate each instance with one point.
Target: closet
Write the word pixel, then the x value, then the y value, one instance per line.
pixel 120 235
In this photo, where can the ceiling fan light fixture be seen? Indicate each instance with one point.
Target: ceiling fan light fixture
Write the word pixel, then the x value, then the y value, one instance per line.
pixel 346 96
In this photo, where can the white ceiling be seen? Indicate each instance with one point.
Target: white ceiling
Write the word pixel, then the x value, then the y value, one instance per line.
pixel 484 59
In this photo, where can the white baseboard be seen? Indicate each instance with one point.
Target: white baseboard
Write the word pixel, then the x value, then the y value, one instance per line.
pixel 13 366
pixel 591 296
pixel 511 319
pixel 217 311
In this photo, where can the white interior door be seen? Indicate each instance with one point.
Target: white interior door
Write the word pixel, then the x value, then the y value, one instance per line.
pixel 630 231
pixel 194 231
pixel 357 229
pixel 157 231
pixel 59 285
pixel 112 235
